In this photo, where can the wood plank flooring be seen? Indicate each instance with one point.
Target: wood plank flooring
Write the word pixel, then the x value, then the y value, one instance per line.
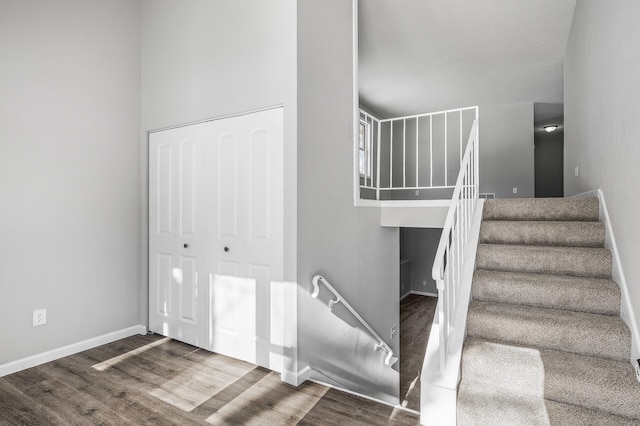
pixel 152 380
pixel 416 316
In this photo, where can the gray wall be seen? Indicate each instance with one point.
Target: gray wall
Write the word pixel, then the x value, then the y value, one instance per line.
pixel 420 245
pixel 602 66
pixel 69 167
pixel 506 150
pixel 345 244
pixel 204 59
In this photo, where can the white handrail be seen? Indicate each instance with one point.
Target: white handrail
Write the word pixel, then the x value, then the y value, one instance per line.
pixel 448 263
pixel 389 359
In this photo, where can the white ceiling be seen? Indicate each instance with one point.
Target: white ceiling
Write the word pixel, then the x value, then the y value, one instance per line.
pixel 425 55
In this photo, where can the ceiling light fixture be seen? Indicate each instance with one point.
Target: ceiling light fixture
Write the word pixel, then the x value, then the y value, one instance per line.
pixel 550 128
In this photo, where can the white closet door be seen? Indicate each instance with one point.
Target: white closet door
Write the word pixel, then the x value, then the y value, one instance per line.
pixel 216 235
pixel 248 240
pixel 177 236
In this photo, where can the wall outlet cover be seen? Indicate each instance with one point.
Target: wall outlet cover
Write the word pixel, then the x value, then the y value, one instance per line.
pixel 515 190
pixel 39 317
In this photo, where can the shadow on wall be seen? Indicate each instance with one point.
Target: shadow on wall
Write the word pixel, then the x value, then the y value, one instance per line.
pixel 349 358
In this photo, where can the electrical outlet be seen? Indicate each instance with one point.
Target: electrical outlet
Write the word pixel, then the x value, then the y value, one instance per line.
pixel 515 190
pixel 424 282
pixel 417 193
pixel 39 317
pixel 576 172
pixel 638 369
pixel 394 331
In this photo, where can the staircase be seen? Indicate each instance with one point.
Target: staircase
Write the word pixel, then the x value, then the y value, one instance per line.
pixel 545 343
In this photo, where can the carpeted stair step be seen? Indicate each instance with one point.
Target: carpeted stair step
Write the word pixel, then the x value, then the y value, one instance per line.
pixel 593 295
pixel 504 384
pixel 591 382
pixel 501 385
pixel 576 261
pixel 580 209
pixel 577 332
pixel 544 233
pixel 567 415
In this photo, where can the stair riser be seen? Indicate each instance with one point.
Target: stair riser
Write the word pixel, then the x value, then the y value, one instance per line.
pixel 569 234
pixel 551 333
pixel 541 260
pixel 571 382
pixel 580 209
pixel 564 414
pixel 597 296
pixel 596 383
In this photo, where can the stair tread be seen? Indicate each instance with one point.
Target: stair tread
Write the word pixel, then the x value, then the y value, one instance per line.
pixel 590 383
pixel 549 233
pixel 578 332
pixel 593 295
pixel 495 389
pixel 575 209
pixel 576 261
pixel 567 414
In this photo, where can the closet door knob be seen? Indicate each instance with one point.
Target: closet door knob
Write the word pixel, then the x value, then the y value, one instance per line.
pixel 185 245
pixel 226 249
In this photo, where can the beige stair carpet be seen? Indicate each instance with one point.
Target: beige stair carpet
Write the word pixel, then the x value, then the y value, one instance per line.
pixel 546 344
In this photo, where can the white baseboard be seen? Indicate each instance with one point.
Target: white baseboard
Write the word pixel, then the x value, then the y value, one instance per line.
pixel 626 307
pixel 74 348
pixel 592 193
pixel 424 293
pixel 419 293
pixel 296 378
pixel 350 392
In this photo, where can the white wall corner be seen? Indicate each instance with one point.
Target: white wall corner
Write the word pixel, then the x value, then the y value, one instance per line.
pixel 74 348
pixel 296 378
pixel 617 274
pixel 284 330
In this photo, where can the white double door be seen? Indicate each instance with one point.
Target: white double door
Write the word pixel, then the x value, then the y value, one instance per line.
pixel 216 233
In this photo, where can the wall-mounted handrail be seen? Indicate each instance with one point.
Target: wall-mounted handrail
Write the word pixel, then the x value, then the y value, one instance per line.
pixel 390 359
pixel 449 260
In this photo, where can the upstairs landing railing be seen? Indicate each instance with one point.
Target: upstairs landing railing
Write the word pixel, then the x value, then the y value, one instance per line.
pixel 448 264
pixel 415 152
pixel 390 359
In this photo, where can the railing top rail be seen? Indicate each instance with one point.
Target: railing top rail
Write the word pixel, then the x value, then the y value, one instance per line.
pixel 426 114
pixel 437 271
pixel 369 115
pixel 339 298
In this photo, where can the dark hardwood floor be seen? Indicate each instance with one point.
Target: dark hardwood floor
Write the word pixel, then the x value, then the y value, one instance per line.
pixel 416 316
pixel 154 380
